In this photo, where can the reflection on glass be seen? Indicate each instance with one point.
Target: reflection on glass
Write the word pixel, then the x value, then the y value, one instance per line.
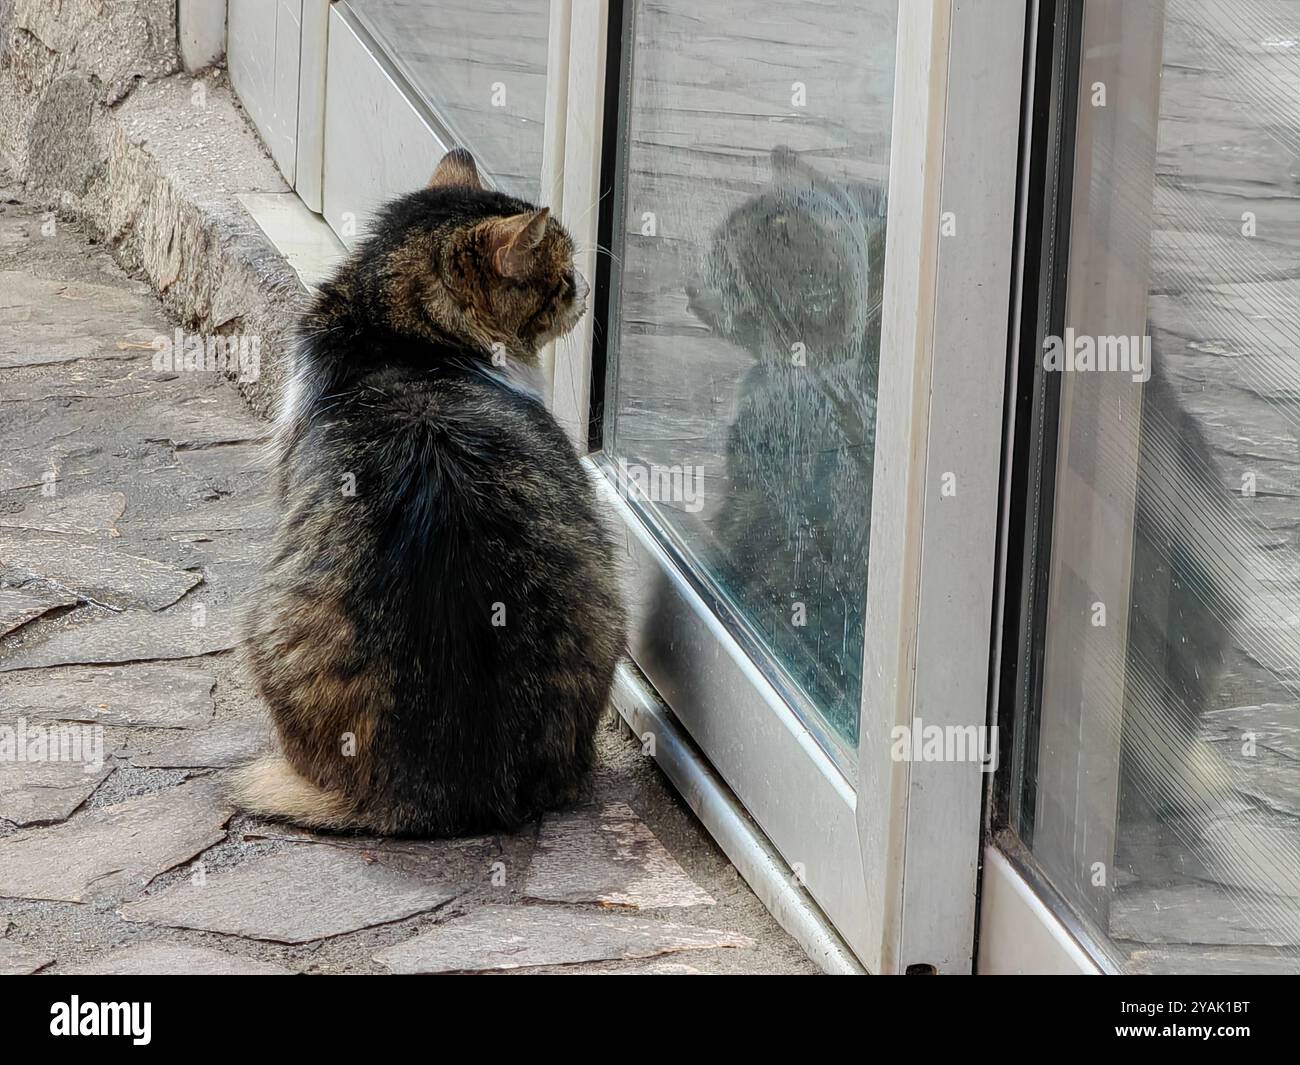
pixel 1165 775
pixel 749 288
pixel 480 66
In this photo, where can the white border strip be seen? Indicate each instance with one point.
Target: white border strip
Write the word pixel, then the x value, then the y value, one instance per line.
pixel 1018 933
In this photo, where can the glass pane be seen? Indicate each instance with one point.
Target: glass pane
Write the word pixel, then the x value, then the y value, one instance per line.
pixel 1165 776
pixel 748 287
pixel 480 66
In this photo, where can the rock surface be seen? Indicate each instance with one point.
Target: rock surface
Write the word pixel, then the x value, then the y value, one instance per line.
pixel 156 694
pixel 39 792
pixel 539 936
pixel 305 893
pixel 113 848
pixel 174 959
pixel 607 856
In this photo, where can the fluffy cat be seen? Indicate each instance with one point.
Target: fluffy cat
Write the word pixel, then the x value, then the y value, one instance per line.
pixel 440 617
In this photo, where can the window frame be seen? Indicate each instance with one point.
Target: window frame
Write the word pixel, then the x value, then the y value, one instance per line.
pixel 891 855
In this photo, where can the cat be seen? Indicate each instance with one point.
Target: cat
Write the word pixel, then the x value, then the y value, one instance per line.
pixel 440 617
pixel 794 277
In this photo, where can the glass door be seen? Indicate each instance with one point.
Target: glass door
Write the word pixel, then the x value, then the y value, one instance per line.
pixel 750 282
pixel 803 288
pixel 406 80
pixel 1153 791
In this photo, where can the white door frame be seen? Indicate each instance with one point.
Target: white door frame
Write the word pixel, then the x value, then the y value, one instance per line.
pixel 892 855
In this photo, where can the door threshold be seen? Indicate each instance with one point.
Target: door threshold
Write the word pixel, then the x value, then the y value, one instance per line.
pixel 302 237
pixel 1020 933
pixel 721 814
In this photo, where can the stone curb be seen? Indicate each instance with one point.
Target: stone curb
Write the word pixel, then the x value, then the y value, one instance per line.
pixel 97 124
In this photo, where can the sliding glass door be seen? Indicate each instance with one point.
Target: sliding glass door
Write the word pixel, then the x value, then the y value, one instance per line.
pixel 800 224
pixel 407 80
pixel 750 277
pixel 779 350
pixel 1154 780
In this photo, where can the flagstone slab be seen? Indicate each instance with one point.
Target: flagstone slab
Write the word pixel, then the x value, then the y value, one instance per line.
pixel 46 320
pixel 217 746
pixel 99 573
pixel 525 937
pixel 608 856
pixel 152 694
pixel 175 959
pixel 36 467
pixel 18 608
pixel 196 425
pixel 114 847
pixel 227 515
pixel 23 471
pixel 494 863
pixel 85 514
pixel 298 895
pixel 661 968
pixel 41 792
pixel 134 636
pixel 226 465
pixel 16 960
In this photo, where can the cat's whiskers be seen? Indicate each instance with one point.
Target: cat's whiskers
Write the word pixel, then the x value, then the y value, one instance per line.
pixel 573 224
pixel 599 249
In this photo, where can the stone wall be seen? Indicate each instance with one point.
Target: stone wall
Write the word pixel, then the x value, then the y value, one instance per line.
pixel 99 123
pixel 61 61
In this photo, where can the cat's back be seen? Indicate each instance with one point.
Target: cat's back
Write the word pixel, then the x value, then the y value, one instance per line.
pixel 476 436
pixel 450 480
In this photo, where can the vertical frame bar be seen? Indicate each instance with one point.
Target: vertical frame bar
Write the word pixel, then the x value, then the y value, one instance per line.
pixel 959 538
pixel 557 106
pixel 1085 663
pixel 911 264
pixel 201 32
pixel 263 42
pixel 311 102
pixel 1047 161
pixel 580 195
pixel 951 236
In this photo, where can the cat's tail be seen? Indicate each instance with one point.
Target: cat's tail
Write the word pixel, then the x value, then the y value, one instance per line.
pixel 271 787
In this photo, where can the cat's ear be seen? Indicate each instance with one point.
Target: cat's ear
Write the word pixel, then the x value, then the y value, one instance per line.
pixel 457 170
pixel 512 240
pixel 789 170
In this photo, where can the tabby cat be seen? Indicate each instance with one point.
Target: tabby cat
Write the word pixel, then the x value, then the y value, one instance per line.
pixel 440 618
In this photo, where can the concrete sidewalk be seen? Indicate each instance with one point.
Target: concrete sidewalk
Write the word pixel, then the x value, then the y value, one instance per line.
pixel 133 517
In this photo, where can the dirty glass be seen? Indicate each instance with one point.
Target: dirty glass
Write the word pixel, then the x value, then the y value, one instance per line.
pixel 748 274
pixel 480 67
pixel 1163 785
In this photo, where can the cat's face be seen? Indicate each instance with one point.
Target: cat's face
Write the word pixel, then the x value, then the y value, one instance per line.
pixel 790 265
pixel 477 266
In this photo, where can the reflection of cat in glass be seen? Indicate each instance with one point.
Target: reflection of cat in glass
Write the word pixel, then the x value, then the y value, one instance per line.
pixel 1183 608
pixel 793 276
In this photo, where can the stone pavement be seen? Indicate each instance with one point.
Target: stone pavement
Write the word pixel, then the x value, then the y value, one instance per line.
pixel 133 517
